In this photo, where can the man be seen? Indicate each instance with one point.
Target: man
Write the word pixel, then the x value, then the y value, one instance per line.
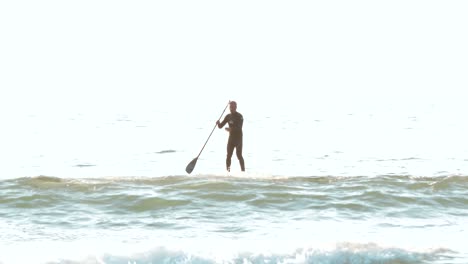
pixel 235 121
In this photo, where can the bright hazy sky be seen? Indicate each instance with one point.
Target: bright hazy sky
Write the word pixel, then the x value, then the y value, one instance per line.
pixel 74 53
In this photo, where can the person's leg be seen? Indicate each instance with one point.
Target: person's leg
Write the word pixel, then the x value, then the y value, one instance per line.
pixel 239 155
pixel 230 150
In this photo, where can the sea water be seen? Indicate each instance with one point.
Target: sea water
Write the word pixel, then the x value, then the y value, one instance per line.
pixel 341 187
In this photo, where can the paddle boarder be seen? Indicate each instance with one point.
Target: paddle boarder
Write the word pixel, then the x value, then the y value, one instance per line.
pixel 235 121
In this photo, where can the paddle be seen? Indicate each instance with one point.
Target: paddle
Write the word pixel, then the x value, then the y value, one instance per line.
pixel 192 164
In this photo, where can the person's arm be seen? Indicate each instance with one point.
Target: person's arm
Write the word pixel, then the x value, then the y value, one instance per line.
pixel 222 124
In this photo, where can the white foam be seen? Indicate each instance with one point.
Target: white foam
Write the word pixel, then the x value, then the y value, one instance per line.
pixel 213 251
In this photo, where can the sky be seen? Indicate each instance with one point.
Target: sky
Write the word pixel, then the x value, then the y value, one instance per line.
pixel 295 60
pixel 103 55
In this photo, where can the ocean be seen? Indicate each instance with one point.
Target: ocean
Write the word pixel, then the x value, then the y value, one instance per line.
pixel 354 134
pixel 320 187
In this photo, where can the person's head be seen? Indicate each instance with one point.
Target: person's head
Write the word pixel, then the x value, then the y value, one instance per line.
pixel 233 106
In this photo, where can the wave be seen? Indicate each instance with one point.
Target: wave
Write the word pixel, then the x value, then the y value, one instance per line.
pixel 355 197
pixel 411 183
pixel 219 218
pixel 166 151
pixel 352 253
pixel 255 175
pixel 399 189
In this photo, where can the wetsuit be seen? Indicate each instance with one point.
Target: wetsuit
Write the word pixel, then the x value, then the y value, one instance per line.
pixel 235 121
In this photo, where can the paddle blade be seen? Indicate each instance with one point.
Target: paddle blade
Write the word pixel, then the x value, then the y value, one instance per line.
pixel 191 165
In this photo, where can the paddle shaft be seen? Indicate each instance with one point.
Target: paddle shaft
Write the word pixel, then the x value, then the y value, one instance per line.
pixel 213 129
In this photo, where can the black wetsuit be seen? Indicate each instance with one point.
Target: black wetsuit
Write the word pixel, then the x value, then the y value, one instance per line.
pixel 235 121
